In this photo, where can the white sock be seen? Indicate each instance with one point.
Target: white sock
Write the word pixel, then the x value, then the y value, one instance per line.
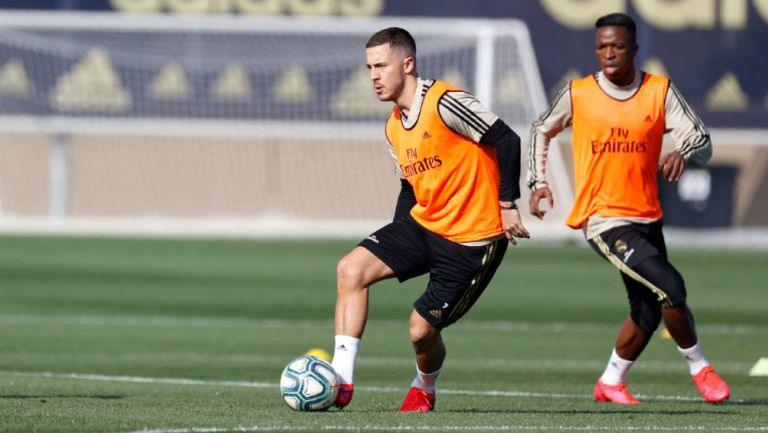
pixel 695 358
pixel 616 369
pixel 425 381
pixel 344 356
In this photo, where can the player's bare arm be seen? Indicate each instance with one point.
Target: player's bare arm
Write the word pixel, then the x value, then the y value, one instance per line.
pixel 513 224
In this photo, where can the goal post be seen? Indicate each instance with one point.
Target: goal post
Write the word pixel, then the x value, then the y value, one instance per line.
pixel 159 124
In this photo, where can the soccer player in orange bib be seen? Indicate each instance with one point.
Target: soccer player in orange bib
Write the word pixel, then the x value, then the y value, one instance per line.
pixel 619 116
pixel 460 167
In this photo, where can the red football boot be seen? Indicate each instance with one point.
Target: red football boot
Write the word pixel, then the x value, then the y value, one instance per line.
pixel 345 395
pixel 711 387
pixel 418 400
pixel 613 393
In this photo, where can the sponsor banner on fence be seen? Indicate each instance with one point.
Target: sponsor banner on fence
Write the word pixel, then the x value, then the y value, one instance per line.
pixel 712 49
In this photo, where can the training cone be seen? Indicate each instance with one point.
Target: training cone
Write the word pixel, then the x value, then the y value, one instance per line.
pixel 760 368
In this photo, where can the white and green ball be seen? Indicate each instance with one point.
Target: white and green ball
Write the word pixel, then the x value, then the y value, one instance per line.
pixel 309 383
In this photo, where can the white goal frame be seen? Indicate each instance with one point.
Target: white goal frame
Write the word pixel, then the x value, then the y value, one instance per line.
pixel 58 127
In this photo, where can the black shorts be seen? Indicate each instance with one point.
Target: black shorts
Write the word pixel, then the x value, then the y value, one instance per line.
pixel 458 273
pixel 640 253
pixel 631 243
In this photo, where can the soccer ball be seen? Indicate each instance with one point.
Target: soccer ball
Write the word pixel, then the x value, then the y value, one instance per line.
pixel 309 383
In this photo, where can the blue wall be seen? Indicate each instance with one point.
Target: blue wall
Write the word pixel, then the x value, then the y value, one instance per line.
pixel 716 51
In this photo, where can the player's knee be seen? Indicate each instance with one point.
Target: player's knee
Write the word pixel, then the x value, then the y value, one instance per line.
pixel 674 289
pixel 647 317
pixel 421 331
pixel 418 334
pixel 666 278
pixel 349 273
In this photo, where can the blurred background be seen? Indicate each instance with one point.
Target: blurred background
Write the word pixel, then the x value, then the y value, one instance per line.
pixel 254 118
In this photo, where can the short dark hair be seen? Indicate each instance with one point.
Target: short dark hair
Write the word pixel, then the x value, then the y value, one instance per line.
pixel 621 20
pixel 397 38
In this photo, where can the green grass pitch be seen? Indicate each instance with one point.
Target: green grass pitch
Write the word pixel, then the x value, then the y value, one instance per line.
pixel 190 336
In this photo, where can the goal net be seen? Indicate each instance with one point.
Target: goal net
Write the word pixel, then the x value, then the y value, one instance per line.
pixel 214 125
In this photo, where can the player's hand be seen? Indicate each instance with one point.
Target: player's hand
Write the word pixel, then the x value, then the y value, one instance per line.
pixel 536 196
pixel 513 225
pixel 672 166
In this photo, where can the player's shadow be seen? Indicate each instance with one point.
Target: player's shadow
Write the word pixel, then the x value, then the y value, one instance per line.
pixel 52 396
pixel 745 403
pixel 592 411
pixel 732 402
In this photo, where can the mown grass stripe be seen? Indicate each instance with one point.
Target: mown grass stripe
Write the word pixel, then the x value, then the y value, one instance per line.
pixel 370 361
pixel 226 383
pixel 476 428
pixel 216 322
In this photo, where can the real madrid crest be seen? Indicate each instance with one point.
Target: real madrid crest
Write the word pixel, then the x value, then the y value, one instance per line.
pixel 620 246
